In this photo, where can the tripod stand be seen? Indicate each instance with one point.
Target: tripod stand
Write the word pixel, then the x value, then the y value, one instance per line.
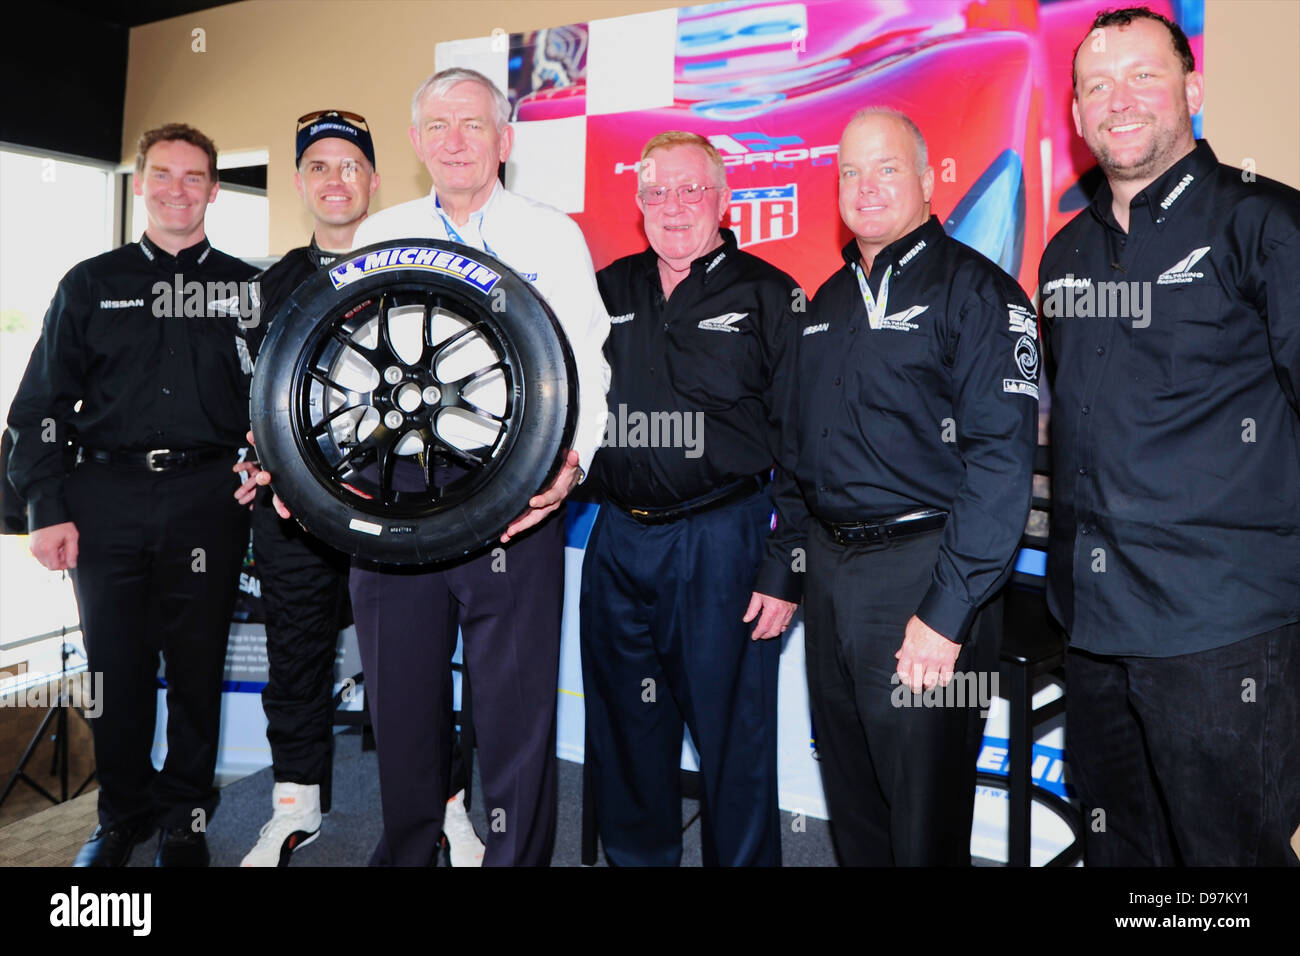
pixel 59 759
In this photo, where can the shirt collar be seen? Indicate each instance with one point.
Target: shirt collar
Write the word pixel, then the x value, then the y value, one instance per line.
pixel 708 265
pixel 189 258
pixel 1167 193
pixel 319 257
pixel 903 252
pixel 476 216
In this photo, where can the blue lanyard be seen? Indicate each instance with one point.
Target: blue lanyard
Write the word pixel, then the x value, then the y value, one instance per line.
pixel 455 236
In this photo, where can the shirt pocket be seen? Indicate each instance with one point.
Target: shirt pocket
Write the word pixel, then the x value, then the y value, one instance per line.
pixel 715 368
pixel 1182 342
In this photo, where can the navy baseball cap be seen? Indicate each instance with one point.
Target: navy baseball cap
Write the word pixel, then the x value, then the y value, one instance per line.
pixel 339 124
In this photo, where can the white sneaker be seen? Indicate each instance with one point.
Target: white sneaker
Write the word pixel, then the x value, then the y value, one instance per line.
pixel 294 824
pixel 465 847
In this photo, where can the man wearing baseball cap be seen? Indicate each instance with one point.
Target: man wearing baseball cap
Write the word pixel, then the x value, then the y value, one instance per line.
pixel 304 582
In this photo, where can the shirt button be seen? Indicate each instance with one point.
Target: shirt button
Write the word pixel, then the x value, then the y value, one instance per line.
pixel 1101 350
pixel 1082 470
pixel 171 351
pixel 1086 409
pixel 825 432
pixel 166 390
pixel 837 381
pixel 1085 530
pixel 852 329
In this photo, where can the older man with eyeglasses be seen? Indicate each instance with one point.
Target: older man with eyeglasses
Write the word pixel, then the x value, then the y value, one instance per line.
pixel 688 575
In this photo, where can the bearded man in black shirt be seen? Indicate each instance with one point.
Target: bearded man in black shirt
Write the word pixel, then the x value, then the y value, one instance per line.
pixel 1172 331
pixel 139 355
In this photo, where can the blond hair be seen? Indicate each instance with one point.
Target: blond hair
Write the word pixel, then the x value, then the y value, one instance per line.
pixel 677 137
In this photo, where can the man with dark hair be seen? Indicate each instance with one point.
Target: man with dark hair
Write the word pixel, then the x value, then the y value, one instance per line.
pixel 304 582
pixel 1174 561
pixel 918 403
pixel 146 371
pixel 683 556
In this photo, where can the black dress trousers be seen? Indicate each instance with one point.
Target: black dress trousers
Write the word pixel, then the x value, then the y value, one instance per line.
pixel 157 571
pixel 899 775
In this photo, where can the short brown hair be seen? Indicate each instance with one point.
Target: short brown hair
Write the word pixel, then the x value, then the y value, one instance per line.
pixel 169 132
pixel 677 137
pixel 1123 18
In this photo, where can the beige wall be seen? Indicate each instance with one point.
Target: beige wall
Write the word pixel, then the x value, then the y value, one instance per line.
pixel 1252 92
pixel 269 61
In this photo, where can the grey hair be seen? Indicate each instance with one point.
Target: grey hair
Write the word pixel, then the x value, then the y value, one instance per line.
pixel 922 151
pixel 440 84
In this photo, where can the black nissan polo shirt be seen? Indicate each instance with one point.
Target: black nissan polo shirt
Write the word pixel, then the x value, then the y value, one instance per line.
pixel 934 407
pixel 1173 356
pixel 718 357
pixel 148 344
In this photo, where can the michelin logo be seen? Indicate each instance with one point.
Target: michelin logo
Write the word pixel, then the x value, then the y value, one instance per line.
pixel 418 257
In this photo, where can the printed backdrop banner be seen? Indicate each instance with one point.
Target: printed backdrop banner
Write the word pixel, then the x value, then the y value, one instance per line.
pixel 772 85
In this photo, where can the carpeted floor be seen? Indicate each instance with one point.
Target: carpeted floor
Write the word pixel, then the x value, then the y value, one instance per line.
pixel 350 831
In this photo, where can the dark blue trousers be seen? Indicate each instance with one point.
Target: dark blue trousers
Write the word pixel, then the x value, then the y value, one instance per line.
pixel 663 644
pixel 507 605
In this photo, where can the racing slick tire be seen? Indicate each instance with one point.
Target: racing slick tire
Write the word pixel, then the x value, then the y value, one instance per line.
pixel 409 400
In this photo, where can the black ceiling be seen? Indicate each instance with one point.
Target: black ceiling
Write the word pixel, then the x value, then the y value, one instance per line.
pixel 65 79
pixel 133 13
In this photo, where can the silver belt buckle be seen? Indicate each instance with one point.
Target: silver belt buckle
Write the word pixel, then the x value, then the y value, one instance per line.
pixel 149 456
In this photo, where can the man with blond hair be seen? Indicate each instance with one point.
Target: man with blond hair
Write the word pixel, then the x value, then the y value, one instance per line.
pixel 686 579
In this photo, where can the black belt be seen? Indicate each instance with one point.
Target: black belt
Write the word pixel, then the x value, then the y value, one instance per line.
pixel 160 459
pixel 725 495
pixel 885 530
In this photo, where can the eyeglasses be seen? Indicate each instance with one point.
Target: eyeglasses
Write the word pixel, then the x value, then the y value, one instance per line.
pixel 686 193
pixel 312 117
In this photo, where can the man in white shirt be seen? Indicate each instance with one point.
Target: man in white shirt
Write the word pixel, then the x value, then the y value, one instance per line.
pixel 406 618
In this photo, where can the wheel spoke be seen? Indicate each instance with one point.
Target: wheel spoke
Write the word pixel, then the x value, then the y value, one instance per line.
pixel 464 456
pixel 345 339
pixel 385 348
pixel 386 452
pixel 480 411
pixel 460 384
pixel 322 426
pixel 451 342
pixel 431 305
pixel 327 381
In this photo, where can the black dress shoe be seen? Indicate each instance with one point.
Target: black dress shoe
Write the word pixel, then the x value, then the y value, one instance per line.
pixel 111 847
pixel 181 846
